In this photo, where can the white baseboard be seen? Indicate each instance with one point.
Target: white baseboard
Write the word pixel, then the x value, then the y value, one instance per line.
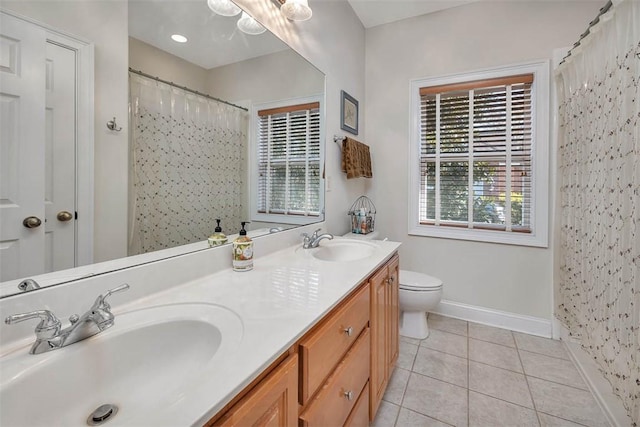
pixel 501 319
pixel 601 389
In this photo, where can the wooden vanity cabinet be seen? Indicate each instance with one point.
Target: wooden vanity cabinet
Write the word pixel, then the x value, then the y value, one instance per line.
pixel 336 374
pixel 272 402
pixel 385 341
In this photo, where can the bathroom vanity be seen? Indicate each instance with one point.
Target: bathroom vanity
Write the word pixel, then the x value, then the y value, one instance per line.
pixel 306 338
pixel 336 373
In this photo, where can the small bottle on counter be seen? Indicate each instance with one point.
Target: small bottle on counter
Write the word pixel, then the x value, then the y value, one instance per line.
pixel 363 221
pixel 243 251
pixel 218 237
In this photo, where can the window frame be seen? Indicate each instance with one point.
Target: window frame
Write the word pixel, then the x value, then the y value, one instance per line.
pixel 254 174
pixel 540 99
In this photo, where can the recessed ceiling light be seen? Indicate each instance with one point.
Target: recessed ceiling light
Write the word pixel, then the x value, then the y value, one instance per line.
pixel 179 38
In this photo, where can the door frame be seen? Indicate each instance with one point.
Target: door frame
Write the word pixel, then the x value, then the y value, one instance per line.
pixel 85 134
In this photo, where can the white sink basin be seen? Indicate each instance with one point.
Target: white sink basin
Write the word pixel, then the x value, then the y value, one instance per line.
pixel 343 250
pixel 144 364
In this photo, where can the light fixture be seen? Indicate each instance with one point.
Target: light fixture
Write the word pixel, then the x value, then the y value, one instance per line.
pixel 179 38
pixel 248 25
pixel 296 10
pixel 223 7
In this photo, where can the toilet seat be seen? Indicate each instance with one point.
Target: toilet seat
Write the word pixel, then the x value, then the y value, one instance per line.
pixel 414 281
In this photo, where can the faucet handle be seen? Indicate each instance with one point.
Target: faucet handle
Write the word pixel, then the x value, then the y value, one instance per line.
pixel 315 233
pixel 100 301
pixel 48 327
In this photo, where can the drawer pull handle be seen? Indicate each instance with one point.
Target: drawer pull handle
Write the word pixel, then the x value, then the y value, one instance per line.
pixel 390 280
pixel 348 395
pixel 348 331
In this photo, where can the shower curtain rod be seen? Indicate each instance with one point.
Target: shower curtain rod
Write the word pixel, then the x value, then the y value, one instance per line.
pixel 158 79
pixel 603 10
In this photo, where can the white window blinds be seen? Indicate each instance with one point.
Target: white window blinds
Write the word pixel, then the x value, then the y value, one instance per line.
pixel 476 145
pixel 289 160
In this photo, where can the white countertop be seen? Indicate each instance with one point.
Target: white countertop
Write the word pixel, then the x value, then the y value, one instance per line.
pixel 286 293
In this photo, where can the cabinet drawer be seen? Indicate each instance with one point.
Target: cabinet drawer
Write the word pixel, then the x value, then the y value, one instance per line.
pixel 331 406
pixel 359 416
pixel 324 347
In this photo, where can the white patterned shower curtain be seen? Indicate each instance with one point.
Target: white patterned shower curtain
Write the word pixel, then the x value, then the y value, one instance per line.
pixel 187 157
pixel 598 293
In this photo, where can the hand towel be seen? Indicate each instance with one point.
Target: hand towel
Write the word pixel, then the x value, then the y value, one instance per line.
pixel 356 160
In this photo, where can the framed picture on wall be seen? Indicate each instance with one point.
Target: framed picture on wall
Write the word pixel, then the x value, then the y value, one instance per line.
pixel 348 113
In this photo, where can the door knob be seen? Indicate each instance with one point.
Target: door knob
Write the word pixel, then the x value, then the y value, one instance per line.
pixel 64 216
pixel 32 222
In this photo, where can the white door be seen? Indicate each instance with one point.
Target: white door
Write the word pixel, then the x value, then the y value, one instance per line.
pixel 22 85
pixel 37 154
pixel 60 158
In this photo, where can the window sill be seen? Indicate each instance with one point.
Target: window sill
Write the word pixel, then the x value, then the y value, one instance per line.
pixel 287 219
pixel 478 235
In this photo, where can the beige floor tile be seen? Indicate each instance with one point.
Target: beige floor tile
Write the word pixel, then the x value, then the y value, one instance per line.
pixel 566 402
pixel 397 385
pixel 408 418
pixel 485 411
pixel 436 399
pixel 441 366
pixel 495 355
pixel 491 334
pixel 547 420
pixel 406 355
pixel 546 346
pixel 386 415
pixel 446 342
pixel 447 324
pixel 499 383
pixel 414 341
pixel 552 369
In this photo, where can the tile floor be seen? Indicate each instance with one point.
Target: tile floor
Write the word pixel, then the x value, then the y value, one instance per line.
pixel 467 374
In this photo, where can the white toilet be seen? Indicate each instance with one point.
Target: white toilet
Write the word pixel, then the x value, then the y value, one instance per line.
pixel 419 293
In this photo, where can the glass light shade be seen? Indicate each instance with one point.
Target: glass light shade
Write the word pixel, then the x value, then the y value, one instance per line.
pixel 223 7
pixel 248 25
pixel 296 10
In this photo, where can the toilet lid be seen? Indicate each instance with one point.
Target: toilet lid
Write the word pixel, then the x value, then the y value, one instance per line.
pixel 414 281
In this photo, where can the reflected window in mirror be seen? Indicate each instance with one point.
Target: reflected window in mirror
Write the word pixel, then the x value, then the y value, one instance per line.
pixel 286 173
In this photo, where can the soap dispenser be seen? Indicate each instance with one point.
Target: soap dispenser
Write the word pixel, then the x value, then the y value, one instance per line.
pixel 218 237
pixel 243 251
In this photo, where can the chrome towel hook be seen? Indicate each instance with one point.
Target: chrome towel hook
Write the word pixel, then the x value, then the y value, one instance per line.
pixel 112 125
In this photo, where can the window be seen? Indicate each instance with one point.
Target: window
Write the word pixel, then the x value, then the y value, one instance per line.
pixel 288 187
pixel 479 156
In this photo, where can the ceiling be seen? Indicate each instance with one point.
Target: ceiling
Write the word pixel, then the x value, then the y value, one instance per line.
pixel 213 40
pixel 378 12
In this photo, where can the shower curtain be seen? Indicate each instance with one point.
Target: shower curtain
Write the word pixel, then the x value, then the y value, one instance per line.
pixel 598 294
pixel 187 158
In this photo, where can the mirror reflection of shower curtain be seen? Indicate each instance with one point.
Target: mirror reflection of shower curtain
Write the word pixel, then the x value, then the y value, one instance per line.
pixel 187 165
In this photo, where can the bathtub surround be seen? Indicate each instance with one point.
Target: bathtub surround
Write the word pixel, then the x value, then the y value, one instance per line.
pixel 598 290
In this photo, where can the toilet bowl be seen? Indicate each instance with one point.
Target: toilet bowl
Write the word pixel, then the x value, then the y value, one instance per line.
pixel 418 294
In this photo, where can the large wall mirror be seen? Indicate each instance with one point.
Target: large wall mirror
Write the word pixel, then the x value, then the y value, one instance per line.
pixel 227 125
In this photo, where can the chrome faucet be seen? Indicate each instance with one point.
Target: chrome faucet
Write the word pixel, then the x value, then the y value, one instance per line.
pixel 313 241
pixel 50 336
